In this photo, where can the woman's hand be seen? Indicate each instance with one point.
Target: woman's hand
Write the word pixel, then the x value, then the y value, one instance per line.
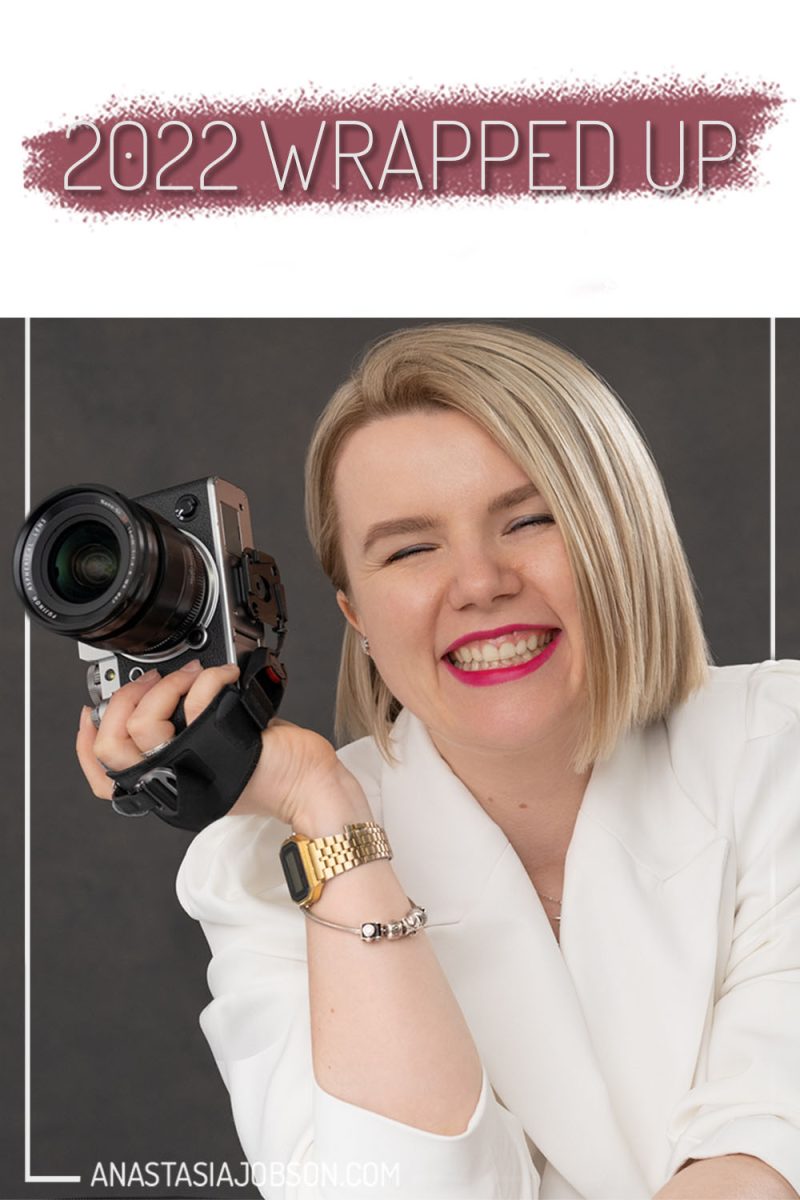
pixel 298 776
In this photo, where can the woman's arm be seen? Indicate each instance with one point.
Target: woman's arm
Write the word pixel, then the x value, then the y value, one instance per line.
pixel 397 1071
pixel 387 1032
pixel 742 1114
pixel 731 1177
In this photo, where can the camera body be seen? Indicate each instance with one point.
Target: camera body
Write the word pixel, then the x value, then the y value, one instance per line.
pixel 149 582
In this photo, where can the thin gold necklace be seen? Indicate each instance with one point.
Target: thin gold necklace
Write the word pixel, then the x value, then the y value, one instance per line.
pixel 552 899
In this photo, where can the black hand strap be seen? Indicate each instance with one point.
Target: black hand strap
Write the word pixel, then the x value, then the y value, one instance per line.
pixel 200 774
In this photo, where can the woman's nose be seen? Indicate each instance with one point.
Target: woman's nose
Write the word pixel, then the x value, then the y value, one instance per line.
pixel 480 578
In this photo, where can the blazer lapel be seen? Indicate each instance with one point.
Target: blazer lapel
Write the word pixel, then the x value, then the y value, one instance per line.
pixel 646 912
pixel 571 1036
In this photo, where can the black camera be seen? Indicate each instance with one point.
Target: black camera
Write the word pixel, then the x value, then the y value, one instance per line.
pixel 149 582
pixel 153 582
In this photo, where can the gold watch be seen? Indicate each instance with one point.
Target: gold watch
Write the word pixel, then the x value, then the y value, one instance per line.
pixel 309 862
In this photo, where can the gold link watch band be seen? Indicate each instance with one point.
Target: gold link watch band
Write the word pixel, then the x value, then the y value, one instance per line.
pixel 360 843
pixel 309 862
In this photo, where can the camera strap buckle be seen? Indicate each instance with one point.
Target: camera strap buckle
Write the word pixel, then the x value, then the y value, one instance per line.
pixel 200 774
pixel 156 791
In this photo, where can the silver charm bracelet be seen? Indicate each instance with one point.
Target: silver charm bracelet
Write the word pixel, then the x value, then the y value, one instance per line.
pixel 373 931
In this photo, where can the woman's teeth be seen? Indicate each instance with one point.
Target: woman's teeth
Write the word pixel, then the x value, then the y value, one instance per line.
pixel 488 656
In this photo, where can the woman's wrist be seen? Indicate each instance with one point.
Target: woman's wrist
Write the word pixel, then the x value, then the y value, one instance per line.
pixel 329 806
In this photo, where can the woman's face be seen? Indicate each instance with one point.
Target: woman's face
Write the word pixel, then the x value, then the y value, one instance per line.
pixel 460 580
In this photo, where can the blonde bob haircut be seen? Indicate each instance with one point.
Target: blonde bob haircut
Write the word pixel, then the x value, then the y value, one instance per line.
pixel 555 418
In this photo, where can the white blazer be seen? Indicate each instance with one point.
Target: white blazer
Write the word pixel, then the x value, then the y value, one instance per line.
pixel 665 1026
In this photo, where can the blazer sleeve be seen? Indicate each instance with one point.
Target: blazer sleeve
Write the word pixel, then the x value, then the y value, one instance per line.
pixel 746 1098
pixel 303 1143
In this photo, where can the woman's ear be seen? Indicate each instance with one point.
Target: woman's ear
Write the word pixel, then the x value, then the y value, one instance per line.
pixel 350 613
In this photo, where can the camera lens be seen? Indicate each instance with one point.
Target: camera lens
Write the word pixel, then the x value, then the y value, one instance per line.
pixel 83 562
pixel 109 571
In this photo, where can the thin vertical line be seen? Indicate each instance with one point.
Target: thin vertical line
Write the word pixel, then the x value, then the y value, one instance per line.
pixel 29 1178
pixel 27 853
pixel 772 553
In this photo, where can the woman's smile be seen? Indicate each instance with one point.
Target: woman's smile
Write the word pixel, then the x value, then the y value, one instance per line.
pixel 459 578
pixel 483 662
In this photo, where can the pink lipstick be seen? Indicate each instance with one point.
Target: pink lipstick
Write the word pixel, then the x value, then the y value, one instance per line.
pixel 492 675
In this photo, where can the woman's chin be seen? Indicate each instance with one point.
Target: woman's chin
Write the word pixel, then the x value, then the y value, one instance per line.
pixel 510 719
pixel 505 734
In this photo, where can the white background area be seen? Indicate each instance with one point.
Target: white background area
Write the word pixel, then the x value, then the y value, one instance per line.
pixel 724 255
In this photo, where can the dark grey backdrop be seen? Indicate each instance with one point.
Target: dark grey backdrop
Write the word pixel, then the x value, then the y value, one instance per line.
pixel 120 1069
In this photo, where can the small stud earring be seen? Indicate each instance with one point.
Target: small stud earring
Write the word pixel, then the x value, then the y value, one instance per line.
pixel 365 645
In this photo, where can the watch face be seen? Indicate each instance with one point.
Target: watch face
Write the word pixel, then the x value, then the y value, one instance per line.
pixel 295 872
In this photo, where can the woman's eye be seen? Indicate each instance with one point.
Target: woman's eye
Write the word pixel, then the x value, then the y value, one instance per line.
pixel 520 523
pixel 407 552
pixel 542 519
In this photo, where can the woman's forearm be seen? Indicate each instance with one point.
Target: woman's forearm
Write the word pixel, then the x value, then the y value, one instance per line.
pixel 729 1177
pixel 387 1032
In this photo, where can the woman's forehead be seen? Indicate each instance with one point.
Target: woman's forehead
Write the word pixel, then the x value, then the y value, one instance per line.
pixel 431 449
pixel 423 466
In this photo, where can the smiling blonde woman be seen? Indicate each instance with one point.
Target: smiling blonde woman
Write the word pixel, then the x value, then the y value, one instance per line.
pixel 564 428
pixel 595 990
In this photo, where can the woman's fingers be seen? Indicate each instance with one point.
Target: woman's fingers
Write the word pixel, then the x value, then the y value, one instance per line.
pixel 150 723
pixel 114 745
pixel 138 718
pixel 99 782
pixel 206 687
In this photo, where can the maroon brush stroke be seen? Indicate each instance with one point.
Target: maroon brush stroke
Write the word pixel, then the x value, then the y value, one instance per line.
pixel 751 108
